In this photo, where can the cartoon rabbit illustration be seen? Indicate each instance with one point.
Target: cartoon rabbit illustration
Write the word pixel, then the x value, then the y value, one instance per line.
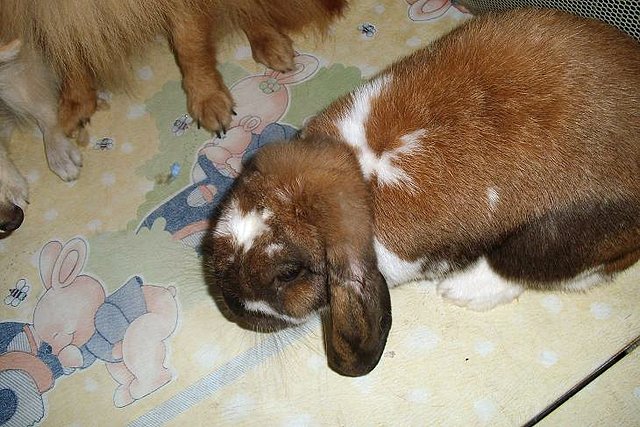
pixel 186 214
pixel 260 100
pixel 75 324
pixel 427 10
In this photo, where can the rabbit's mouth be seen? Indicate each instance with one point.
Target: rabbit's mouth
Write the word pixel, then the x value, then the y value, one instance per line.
pixel 258 315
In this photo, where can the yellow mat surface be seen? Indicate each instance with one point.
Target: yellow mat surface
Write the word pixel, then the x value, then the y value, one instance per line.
pixel 106 319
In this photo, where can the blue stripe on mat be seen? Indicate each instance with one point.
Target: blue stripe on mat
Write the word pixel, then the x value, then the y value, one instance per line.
pixel 221 377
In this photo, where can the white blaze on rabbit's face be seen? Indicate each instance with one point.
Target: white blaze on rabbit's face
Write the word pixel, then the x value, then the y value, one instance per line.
pixel 243 228
pixel 266 276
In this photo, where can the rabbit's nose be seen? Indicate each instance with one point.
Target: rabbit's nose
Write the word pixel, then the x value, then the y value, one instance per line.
pixel 11 218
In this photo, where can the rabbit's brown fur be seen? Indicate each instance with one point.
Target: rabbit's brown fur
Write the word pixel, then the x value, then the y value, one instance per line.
pixel 503 157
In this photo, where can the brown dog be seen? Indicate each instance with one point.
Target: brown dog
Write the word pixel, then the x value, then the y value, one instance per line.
pixel 504 157
pixel 89 43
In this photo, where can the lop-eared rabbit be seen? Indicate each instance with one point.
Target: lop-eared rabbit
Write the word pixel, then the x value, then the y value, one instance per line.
pixel 503 157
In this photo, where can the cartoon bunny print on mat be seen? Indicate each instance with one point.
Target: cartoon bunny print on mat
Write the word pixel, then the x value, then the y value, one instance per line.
pixel 74 324
pixel 426 10
pixel 260 100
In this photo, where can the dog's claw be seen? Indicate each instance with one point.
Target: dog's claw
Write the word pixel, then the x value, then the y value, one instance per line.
pixel 198 124
pixel 218 134
pixel 234 112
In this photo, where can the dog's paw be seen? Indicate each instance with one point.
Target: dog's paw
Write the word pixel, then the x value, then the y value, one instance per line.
pixel 211 105
pixel 273 49
pixel 64 158
pixel 13 187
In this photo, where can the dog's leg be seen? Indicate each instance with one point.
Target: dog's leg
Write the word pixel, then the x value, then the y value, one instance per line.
pixel 78 102
pixel 270 47
pixel 208 99
pixel 63 155
pixel 13 186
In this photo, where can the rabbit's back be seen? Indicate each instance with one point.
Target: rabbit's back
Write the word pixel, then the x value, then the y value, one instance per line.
pixel 506 117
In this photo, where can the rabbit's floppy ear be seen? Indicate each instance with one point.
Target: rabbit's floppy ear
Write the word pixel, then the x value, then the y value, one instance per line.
pixel 305 67
pixel 359 302
pixel 331 194
pixel 48 257
pixel 360 316
pixel 70 262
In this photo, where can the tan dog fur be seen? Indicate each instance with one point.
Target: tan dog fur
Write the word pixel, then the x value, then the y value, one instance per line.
pixel 90 43
pixel 28 94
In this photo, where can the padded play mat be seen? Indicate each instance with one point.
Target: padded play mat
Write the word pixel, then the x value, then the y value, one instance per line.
pixel 110 263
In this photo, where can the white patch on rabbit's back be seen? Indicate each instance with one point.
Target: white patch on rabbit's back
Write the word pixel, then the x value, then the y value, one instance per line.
pixel 395 269
pixel 242 228
pixel 352 127
pixel 412 140
pixel 385 168
pixel 352 124
pixel 264 308
pixel 478 287
pixel 493 198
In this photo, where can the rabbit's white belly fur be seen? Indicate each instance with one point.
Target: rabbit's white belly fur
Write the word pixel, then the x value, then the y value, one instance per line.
pixel 395 270
pixel 477 287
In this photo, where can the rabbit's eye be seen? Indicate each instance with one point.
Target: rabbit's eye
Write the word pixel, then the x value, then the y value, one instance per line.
pixel 290 273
